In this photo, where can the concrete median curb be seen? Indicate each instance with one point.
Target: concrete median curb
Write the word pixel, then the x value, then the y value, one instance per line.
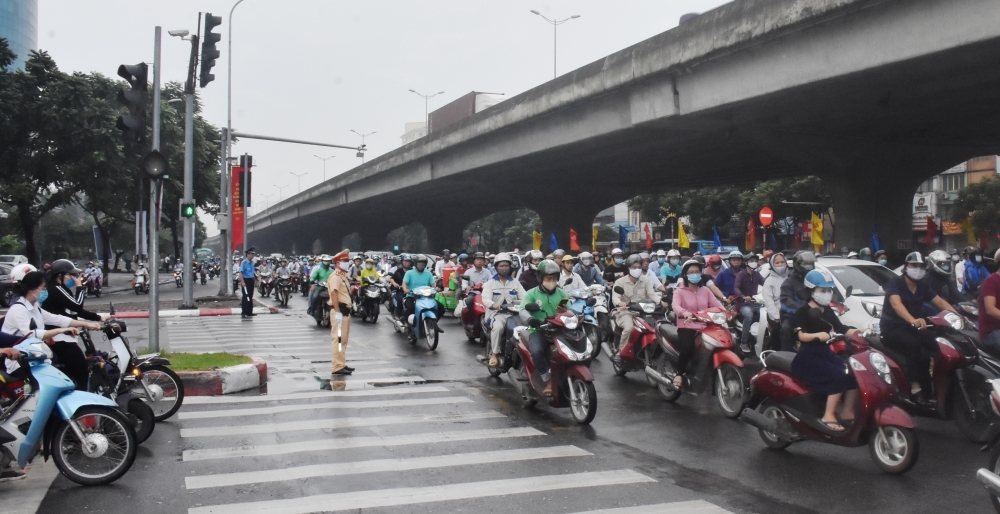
pixel 194 313
pixel 232 379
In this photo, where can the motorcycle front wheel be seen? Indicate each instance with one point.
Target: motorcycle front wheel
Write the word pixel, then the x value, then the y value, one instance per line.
pixel 730 389
pixel 108 449
pixel 894 449
pixel 584 407
pixel 974 423
pixel 165 387
pixel 430 333
pixel 994 466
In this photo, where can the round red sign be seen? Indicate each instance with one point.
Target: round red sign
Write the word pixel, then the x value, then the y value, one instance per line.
pixel 766 216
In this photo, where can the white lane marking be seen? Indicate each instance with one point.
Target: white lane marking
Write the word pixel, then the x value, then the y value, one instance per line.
pixel 358 372
pixel 293 350
pixel 428 494
pixel 319 424
pixel 688 507
pixel 342 443
pixel 381 466
pixel 388 391
pixel 365 380
pixel 408 402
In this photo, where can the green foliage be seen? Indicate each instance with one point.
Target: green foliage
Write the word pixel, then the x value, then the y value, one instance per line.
pixel 10 244
pixel 204 361
pixel 504 230
pixel 981 201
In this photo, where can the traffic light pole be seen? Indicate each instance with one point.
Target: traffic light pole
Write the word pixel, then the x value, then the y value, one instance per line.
pixel 188 253
pixel 154 213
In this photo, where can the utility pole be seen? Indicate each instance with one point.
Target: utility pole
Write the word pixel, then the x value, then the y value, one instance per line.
pixel 299 177
pixel 154 211
pixel 324 159
pixel 427 117
pixel 555 25
pixel 363 136
pixel 188 302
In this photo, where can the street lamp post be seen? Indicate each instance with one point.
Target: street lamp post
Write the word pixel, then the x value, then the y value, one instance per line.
pixel 363 136
pixel 224 204
pixel 324 159
pixel 280 189
pixel 427 118
pixel 299 177
pixel 555 24
pixel 267 200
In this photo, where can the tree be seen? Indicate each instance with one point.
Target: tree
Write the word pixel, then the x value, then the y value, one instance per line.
pixel 981 203
pixel 504 231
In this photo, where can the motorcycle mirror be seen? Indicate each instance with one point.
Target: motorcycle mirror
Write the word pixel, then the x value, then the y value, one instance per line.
pixel 532 307
pixel 591 301
pixel 533 322
pixel 619 290
pixel 568 281
pixel 848 291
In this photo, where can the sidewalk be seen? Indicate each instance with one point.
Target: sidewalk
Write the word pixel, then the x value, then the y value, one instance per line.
pixel 206 306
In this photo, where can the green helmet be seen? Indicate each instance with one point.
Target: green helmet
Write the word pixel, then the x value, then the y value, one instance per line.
pixel 547 267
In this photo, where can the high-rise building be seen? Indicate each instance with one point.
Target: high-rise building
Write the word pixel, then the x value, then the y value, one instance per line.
pixel 19 26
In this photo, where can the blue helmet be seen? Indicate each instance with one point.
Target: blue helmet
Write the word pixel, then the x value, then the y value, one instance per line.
pixel 819 278
pixel 405 257
pixel 463 256
pixel 735 254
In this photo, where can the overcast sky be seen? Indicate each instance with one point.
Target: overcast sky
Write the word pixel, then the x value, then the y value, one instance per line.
pixel 316 69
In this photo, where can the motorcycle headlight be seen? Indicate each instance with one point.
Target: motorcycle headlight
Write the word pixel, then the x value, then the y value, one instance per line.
pixel 954 320
pixel 710 341
pixel 719 318
pixel 878 362
pixel 572 354
pixel 596 289
pixel 856 364
pixel 972 310
pixel 570 322
pixel 648 308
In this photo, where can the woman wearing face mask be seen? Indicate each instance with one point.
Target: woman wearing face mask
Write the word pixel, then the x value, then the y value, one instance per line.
pixel 616 269
pixel 550 298
pixel 689 299
pixel 816 365
pixel 902 324
pixel 62 299
pixel 748 282
pixel 772 297
pixel 27 317
pixel 670 273
pixel 880 257
pixel 974 274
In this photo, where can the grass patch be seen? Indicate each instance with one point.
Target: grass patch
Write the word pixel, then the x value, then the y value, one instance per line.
pixel 180 361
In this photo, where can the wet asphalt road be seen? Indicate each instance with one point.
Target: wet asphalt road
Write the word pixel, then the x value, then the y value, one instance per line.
pixel 687 450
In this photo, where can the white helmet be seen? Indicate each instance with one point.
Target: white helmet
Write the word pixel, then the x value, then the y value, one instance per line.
pixel 586 258
pixel 617 251
pixel 661 253
pixel 18 272
pixel 673 253
pixel 501 257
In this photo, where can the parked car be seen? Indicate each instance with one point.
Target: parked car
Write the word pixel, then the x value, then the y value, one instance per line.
pixel 12 260
pixel 6 285
pixel 866 280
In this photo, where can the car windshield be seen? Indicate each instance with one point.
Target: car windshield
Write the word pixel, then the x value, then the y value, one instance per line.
pixel 866 280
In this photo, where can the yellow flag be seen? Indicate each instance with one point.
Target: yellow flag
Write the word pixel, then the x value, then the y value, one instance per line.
pixel 969 233
pixel 537 243
pixel 593 243
pixel 816 233
pixel 682 237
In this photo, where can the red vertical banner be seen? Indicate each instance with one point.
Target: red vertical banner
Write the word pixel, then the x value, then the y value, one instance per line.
pixel 236 230
pixel 649 237
pixel 573 245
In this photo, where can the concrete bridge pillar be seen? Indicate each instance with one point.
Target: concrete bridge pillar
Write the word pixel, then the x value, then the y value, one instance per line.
pixel 560 221
pixel 445 232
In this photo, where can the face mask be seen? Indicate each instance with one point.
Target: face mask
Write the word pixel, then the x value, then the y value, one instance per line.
pixel 585 262
pixel 823 298
pixel 979 258
pixel 674 262
pixel 369 266
pixel 326 265
pixel 694 278
pixel 345 265
pixel 503 270
pixel 43 296
pixel 635 272
pixel 661 260
pixel 780 270
pixel 752 265
pixel 915 273
pixel 421 266
pixel 549 285
pixel 716 266
pixel 618 262
pixel 955 258
pixel 945 268
pixel 807 267
pixel 71 282
pixel 883 262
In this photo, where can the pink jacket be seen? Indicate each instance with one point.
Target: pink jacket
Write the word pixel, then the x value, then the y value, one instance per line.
pixel 687 302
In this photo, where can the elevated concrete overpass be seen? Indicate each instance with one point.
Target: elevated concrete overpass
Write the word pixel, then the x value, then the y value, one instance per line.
pixel 874 96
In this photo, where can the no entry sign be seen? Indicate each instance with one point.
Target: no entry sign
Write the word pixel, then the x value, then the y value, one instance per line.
pixel 766 216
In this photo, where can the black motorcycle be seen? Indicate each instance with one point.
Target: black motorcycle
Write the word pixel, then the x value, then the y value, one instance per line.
pixel 371 295
pixel 105 378
pixel 322 311
pixel 283 289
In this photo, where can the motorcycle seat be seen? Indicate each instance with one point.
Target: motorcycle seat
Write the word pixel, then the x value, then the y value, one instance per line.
pixel 780 361
pixel 668 331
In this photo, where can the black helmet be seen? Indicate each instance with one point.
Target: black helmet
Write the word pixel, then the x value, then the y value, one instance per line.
pixel 64 266
pixel 804 262
pixel 417 259
pixel 914 258
pixel 700 259
pixel 478 255
pixel 865 254
pixel 880 253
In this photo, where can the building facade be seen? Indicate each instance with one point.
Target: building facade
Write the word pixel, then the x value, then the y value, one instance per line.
pixel 19 26
pixel 935 198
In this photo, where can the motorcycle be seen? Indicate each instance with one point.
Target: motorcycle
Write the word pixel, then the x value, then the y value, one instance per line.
pixel 638 352
pixel 573 384
pixel 139 284
pixel 283 289
pixel 473 315
pixel 713 364
pixel 203 274
pixel 990 475
pixel 265 284
pixel 93 285
pixel 448 296
pixel 506 356
pixel 89 439
pixel 759 330
pixel 370 296
pixel 578 302
pixel 106 379
pixel 960 386
pixel 784 411
pixel 304 283
pixel 213 271
pixel 601 311
pixel 178 279
pixel 322 313
pixel 423 322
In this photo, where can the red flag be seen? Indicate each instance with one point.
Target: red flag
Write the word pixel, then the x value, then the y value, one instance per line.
pixel 573 246
pixel 751 235
pixel 649 237
pixel 931 231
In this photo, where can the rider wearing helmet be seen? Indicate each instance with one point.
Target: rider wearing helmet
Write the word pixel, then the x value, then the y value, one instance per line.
pixel 355 269
pixel 369 270
pixel 616 269
pixel 658 259
pixel 726 279
pixel 713 266
pixel 319 275
pixel 670 273
pixel 478 274
pixel 865 254
pixel 648 274
pixel 794 295
pixel 588 270
pixel 419 276
pixel 63 300
pixel 548 297
pixel 881 258
pixel 529 277
pixel 902 323
pixel 974 273
pixel 499 291
pixel 568 279
pixel 816 365
pixel 748 282
pixel 689 298
pixel 634 289
pixel 941 278
pixel 396 281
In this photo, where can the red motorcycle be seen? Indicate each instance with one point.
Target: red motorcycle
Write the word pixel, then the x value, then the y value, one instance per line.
pixel 961 390
pixel 713 364
pixel 637 353
pixel 473 315
pixel 785 411
pixel 573 384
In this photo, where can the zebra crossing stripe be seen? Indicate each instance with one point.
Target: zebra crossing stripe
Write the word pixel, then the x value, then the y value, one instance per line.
pixel 381 466
pixel 389 391
pixel 688 507
pixel 342 443
pixel 428 494
pixel 410 402
pixel 359 372
pixel 338 423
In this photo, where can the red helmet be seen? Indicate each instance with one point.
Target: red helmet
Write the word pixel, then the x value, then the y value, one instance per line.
pixel 714 258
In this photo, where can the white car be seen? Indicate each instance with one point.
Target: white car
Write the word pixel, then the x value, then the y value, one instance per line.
pixel 12 260
pixel 866 279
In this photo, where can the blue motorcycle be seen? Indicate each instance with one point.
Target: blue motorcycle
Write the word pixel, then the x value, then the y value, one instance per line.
pixel 90 440
pixel 578 302
pixel 422 324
